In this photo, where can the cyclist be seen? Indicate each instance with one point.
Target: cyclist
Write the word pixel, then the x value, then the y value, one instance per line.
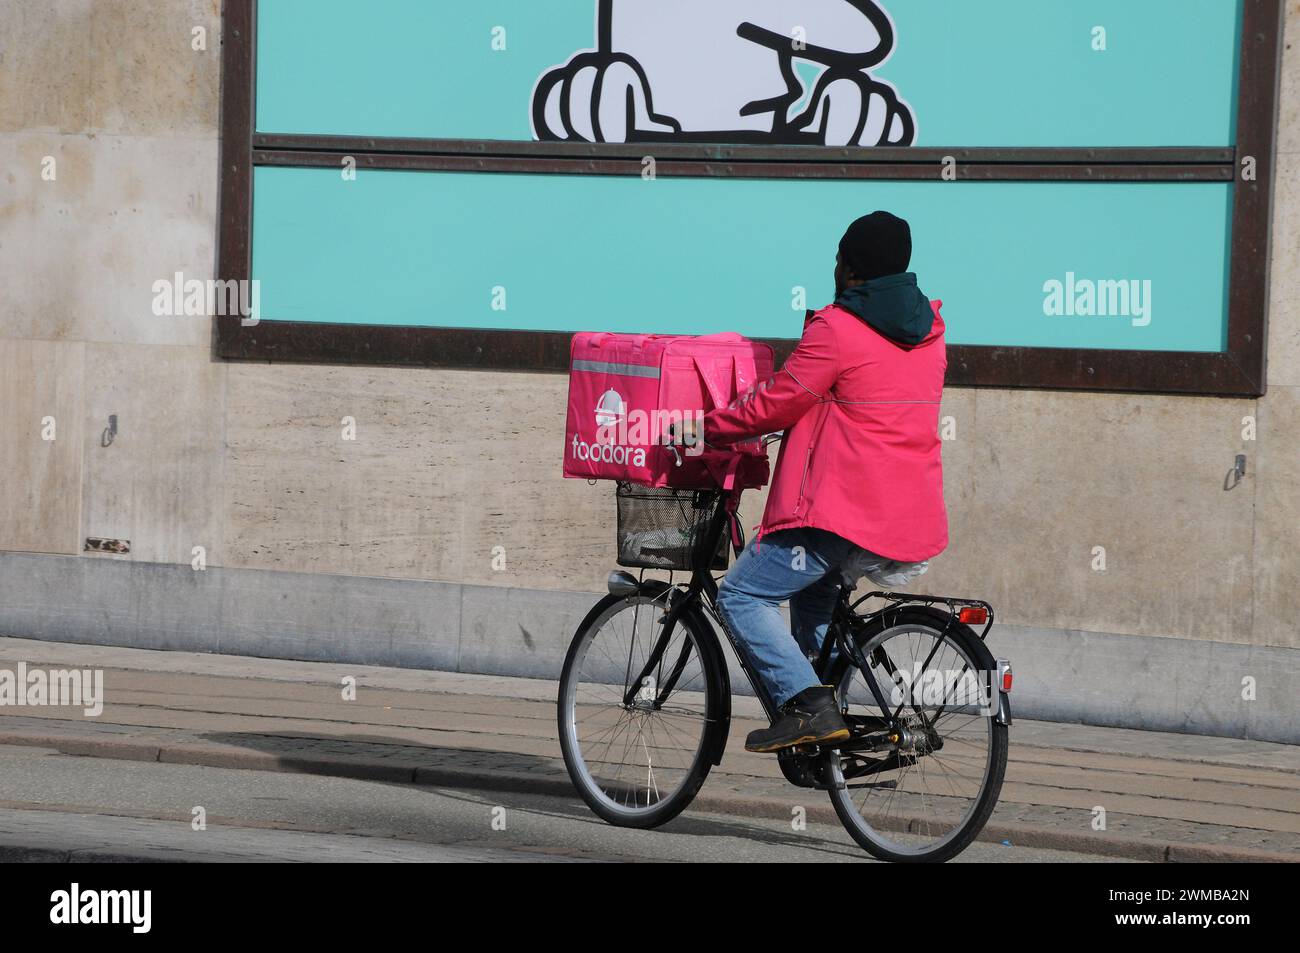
pixel 858 485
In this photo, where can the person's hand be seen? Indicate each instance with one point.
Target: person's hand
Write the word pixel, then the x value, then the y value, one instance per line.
pixel 685 433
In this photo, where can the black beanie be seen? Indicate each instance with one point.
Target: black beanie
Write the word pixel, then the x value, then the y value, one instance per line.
pixel 877 245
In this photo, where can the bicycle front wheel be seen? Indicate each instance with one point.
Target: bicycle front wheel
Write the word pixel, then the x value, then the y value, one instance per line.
pixel 929 795
pixel 638 751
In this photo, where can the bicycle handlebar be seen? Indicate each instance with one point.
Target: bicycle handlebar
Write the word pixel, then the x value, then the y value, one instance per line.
pixel 767 440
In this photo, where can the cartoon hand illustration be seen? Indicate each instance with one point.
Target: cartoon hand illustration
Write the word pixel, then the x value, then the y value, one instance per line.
pixel 852 109
pixel 729 71
pixel 597 97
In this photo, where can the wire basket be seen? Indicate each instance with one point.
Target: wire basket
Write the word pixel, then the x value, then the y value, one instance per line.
pixel 658 528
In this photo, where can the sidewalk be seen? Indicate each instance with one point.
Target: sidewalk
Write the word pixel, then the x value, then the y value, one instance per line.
pixel 1167 797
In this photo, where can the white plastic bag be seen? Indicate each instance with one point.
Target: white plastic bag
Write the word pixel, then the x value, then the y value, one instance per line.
pixel 883 572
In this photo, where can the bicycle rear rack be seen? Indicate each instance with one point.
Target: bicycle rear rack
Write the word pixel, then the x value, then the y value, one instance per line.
pixel 953 604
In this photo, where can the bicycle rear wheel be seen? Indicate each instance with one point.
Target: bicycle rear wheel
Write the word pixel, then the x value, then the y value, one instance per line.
pixel 927 797
pixel 639 764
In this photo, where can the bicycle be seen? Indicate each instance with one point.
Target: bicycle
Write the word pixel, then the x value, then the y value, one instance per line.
pixel 645 699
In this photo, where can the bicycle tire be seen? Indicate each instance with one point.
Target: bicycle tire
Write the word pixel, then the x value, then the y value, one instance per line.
pixel 716 711
pixel 924 618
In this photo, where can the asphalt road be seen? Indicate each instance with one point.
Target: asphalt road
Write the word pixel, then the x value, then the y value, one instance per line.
pixel 55 807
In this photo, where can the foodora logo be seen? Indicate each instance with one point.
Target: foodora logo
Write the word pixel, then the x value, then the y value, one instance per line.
pixel 623 436
pixel 610 409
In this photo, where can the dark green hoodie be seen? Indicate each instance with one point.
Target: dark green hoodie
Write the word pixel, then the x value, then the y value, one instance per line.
pixel 893 305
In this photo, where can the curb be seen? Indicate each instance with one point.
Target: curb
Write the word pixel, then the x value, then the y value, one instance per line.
pixel 20 854
pixel 191 753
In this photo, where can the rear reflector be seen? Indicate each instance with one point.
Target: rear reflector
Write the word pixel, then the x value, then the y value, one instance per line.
pixel 973 615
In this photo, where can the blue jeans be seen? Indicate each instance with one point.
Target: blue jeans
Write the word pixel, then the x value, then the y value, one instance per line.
pixel 801 565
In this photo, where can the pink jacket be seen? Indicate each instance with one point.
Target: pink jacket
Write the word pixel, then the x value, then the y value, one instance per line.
pixel 861 453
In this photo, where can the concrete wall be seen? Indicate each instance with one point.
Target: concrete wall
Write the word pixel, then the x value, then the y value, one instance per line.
pixel 247 460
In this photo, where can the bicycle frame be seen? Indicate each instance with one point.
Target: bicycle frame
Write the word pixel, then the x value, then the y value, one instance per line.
pixel 703 590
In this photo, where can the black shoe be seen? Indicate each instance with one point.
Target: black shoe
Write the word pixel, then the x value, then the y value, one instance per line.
pixel 811 717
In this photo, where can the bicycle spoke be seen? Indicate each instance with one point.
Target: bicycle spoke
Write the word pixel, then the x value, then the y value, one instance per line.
pixel 924 793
